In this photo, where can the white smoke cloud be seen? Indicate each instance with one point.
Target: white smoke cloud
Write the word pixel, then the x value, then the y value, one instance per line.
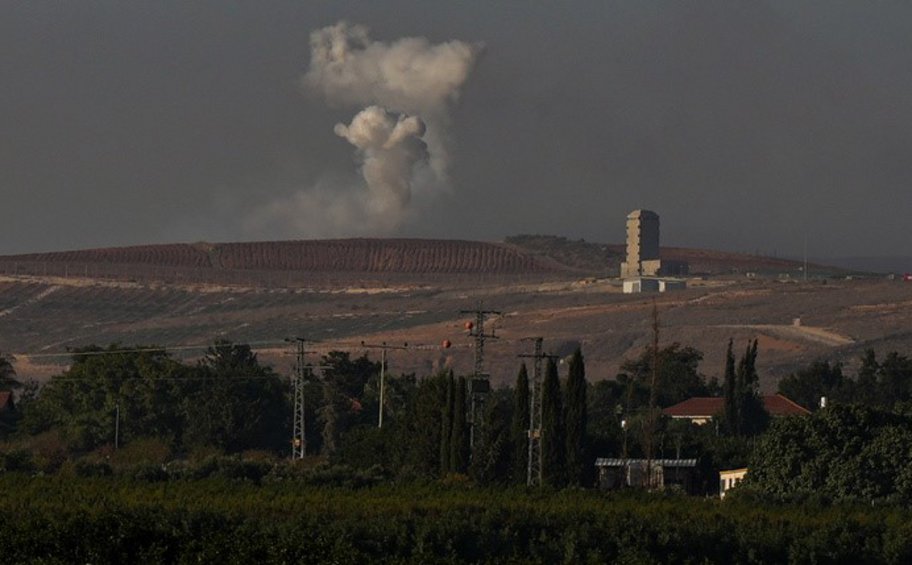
pixel 408 87
pixel 389 146
pixel 409 75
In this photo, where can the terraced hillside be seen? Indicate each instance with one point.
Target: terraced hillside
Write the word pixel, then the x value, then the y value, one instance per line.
pixel 289 264
pixel 409 256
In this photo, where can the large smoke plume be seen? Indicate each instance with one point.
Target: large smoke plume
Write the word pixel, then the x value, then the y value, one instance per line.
pixel 407 88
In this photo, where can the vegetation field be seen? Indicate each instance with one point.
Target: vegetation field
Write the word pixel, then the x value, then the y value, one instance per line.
pixel 57 520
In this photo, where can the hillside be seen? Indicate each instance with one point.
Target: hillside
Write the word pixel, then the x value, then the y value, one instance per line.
pixel 340 255
pixel 339 292
pixel 336 261
pixel 597 259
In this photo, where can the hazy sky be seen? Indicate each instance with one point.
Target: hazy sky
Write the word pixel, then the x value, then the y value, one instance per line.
pixel 745 125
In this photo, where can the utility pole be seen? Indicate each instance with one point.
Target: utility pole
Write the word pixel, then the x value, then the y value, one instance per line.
pixel 651 418
pixel 534 465
pixel 383 347
pixel 117 425
pixel 480 385
pixel 805 257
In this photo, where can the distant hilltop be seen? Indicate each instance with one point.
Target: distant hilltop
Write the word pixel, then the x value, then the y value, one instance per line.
pixel 523 255
pixel 329 255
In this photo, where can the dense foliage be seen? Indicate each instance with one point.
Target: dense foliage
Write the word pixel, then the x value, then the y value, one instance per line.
pixel 227 401
pixel 883 384
pixel 678 374
pixel 53 520
pixel 840 453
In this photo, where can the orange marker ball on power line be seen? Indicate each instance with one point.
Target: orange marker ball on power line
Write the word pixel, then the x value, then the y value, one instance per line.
pixel 469 326
pixel 446 344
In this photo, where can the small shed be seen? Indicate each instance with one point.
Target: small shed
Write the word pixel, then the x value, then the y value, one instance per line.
pixel 633 286
pixel 658 474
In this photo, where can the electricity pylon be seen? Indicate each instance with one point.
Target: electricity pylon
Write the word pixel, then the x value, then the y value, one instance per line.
pixel 534 464
pixel 480 385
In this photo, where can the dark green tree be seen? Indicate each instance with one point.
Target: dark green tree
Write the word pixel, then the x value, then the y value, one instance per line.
pixel 606 409
pixel 866 390
pixel 807 385
pixel 894 379
pixel 751 415
pixel 729 392
pixel 845 452
pixel 8 373
pixel 520 426
pixel 678 377
pixel 493 458
pixel 426 426
pixel 575 422
pixel 81 403
pixel 459 436
pixel 344 380
pixel 8 382
pixel 552 440
pixel 236 403
pixel 446 424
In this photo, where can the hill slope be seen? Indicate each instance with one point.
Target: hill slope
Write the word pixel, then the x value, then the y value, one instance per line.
pixel 339 255
pixel 300 261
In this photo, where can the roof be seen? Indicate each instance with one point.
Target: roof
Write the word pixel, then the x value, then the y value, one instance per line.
pixel 613 462
pixel 778 405
pixel 708 406
pixel 733 471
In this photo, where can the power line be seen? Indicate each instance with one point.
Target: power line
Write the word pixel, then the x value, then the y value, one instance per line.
pixel 154 379
pixel 150 349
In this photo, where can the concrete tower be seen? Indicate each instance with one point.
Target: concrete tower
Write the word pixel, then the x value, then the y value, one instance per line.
pixel 642 245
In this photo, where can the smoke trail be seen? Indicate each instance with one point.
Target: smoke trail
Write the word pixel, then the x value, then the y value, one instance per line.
pixel 409 87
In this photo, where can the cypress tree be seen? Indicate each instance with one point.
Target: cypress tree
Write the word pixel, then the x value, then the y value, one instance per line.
pixel 552 440
pixel 426 427
pixel 492 461
pixel 520 427
pixel 750 416
pixel 459 438
pixel 752 412
pixel 575 421
pixel 446 428
pixel 730 414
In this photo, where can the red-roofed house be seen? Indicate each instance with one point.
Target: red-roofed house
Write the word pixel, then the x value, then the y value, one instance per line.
pixel 702 409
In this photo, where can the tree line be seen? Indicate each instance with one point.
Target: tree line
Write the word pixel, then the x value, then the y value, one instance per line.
pixel 228 402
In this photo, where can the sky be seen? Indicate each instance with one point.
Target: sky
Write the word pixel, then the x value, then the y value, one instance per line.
pixel 746 125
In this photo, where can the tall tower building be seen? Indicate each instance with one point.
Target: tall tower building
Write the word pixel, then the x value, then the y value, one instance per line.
pixel 642 245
